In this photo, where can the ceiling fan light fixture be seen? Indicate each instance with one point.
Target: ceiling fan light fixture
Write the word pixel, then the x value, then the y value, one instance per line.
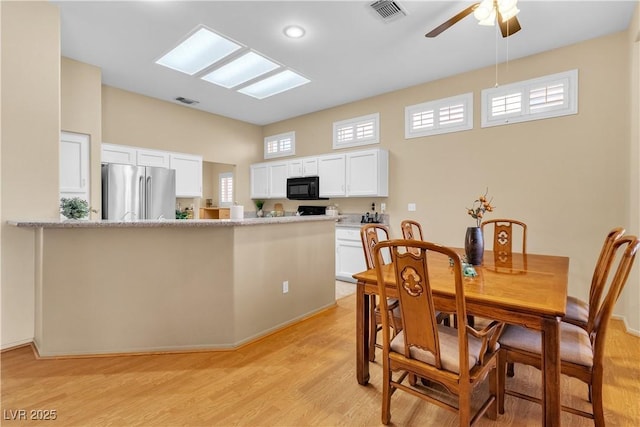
pixel 509 13
pixel 489 20
pixel 485 12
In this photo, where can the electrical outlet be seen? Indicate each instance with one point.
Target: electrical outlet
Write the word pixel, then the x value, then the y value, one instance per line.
pixel 383 207
pixel 285 286
pixel 411 207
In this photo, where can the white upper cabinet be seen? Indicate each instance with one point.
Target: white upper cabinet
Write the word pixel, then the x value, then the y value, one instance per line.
pixel 278 173
pixel 260 181
pixel 188 174
pixel 74 165
pixel 123 154
pixel 367 173
pixel 331 170
pixel 156 158
pixel 363 173
pixel 306 166
pixel 188 167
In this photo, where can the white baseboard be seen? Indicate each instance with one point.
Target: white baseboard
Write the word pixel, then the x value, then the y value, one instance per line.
pixel 626 325
pixel 15 344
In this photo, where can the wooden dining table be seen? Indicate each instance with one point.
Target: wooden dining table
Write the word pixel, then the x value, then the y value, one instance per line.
pixel 520 289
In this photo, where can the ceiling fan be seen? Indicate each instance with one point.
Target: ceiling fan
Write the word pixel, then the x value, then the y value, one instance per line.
pixel 486 12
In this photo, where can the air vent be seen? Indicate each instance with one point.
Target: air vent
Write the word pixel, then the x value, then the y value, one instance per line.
pixel 187 100
pixel 389 10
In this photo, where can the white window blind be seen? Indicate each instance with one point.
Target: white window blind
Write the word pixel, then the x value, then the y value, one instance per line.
pixel 280 145
pixel 225 181
pixel 362 130
pixel 545 97
pixel 440 116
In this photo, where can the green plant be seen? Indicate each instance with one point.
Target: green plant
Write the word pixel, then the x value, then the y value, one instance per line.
pixel 259 204
pixel 479 207
pixel 74 208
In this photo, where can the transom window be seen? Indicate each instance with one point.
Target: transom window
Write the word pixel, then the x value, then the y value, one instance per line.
pixel 452 114
pixel 280 145
pixel 225 181
pixel 549 96
pixel 362 130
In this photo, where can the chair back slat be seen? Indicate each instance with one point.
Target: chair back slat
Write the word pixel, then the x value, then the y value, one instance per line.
pixel 413 285
pixel 624 250
pixel 371 234
pixel 411 230
pixel 601 273
pixel 504 237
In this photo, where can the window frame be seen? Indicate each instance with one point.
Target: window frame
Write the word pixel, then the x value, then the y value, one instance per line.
pixel 465 99
pixel 279 138
pixel 569 106
pixel 221 177
pixel 354 123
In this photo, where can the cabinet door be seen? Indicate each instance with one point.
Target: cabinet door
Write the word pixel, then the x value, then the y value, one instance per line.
pixel 310 166
pixel 349 259
pixel 367 173
pixel 188 174
pixel 112 153
pixel 260 181
pixel 74 165
pixel 154 158
pixel 278 172
pixel 295 168
pixel 331 170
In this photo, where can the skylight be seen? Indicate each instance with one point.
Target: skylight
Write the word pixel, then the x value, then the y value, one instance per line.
pixel 202 49
pixel 275 84
pixel 241 70
pixel 219 60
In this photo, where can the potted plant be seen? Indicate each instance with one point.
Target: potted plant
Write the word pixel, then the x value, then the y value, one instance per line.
pixel 74 208
pixel 259 205
pixel 474 241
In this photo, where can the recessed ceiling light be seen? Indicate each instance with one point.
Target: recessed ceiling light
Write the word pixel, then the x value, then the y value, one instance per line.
pixel 294 31
pixel 240 70
pixel 200 50
pixel 275 84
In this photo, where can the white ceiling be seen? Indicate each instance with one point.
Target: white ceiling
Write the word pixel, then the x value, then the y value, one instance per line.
pixel 348 53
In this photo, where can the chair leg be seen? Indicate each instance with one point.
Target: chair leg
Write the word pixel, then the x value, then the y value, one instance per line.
pixel 510 370
pixel 373 329
pixel 464 406
pixel 501 380
pixel 386 394
pixel 494 381
pixel 596 401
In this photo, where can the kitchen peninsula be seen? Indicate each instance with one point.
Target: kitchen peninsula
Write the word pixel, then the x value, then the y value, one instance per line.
pixel 105 287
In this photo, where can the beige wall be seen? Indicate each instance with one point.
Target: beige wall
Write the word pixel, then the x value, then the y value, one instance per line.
pixel 30 42
pixel 81 112
pixel 629 306
pixel 567 177
pixel 132 119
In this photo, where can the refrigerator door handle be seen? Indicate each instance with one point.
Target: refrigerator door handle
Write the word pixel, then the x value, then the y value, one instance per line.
pixel 142 198
pixel 148 199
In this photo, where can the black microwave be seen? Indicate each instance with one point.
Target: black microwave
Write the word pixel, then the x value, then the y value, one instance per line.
pixel 303 188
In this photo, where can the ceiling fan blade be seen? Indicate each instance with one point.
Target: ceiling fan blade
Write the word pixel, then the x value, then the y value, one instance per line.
pixel 509 27
pixel 452 21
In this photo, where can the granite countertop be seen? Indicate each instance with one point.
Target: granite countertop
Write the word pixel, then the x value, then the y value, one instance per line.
pixel 168 223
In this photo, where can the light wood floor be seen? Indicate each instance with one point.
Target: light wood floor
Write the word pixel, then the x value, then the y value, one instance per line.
pixel 302 376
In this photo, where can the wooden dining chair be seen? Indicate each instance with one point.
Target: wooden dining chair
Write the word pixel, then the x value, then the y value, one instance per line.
pixel 582 313
pixel 458 359
pixel 581 351
pixel 371 234
pixel 504 236
pixel 411 230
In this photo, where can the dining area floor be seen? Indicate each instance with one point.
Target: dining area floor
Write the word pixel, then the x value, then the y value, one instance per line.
pixel 304 375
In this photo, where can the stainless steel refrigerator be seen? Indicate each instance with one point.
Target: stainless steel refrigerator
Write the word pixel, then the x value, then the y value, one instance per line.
pixel 136 192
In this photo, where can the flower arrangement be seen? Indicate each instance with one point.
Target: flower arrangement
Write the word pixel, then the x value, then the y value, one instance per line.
pixel 74 208
pixel 479 207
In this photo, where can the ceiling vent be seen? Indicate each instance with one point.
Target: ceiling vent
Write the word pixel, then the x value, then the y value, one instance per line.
pixel 187 100
pixel 389 10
